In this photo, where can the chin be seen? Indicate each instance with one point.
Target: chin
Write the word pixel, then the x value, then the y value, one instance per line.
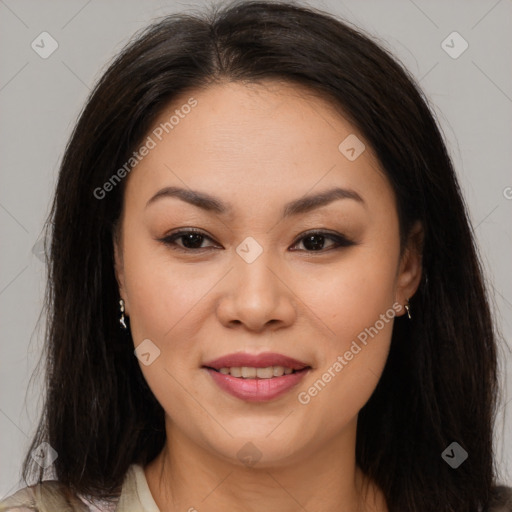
pixel 260 450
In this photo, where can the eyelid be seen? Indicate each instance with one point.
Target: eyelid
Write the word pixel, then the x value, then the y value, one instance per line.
pixel 169 239
pixel 340 240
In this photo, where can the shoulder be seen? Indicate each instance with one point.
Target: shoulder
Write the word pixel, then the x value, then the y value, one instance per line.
pixel 501 499
pixel 46 495
pixel 51 496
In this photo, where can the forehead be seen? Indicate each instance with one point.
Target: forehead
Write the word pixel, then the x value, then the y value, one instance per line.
pixel 256 142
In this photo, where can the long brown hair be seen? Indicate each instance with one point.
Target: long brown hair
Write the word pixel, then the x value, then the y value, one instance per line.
pixel 439 383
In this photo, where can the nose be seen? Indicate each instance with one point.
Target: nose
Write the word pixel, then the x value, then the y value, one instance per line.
pixel 257 296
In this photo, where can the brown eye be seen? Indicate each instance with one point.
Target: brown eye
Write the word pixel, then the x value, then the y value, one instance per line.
pixel 315 241
pixel 191 240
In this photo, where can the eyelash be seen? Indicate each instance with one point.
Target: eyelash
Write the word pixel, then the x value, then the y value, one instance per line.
pixel 339 239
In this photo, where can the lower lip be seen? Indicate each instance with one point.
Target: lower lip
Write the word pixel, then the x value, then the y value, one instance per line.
pixel 257 390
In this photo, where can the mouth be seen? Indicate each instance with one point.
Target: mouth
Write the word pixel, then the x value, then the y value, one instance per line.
pixel 256 378
pixel 248 372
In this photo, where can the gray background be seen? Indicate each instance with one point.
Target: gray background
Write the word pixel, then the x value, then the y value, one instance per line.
pixel 41 98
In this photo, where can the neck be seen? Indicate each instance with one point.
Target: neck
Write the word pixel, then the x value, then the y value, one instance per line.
pixel 187 477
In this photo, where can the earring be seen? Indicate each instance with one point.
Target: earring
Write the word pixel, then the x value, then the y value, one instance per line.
pixel 408 309
pixel 121 320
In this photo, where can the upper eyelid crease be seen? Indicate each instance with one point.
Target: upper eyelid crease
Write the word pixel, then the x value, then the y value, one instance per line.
pixel 296 207
pixel 338 238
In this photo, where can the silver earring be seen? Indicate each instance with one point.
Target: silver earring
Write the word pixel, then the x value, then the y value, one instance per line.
pixel 121 320
pixel 408 309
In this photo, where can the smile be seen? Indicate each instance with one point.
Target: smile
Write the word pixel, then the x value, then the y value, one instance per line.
pixel 247 372
pixel 256 378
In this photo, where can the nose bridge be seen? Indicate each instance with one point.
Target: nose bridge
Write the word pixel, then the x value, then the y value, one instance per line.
pixel 253 271
pixel 256 295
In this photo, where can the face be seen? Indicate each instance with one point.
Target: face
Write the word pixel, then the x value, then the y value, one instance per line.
pixel 242 276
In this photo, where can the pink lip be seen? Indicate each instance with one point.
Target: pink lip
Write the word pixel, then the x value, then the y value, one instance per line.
pixel 255 361
pixel 256 390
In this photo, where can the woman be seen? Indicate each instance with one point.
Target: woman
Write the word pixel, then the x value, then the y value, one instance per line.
pixel 264 290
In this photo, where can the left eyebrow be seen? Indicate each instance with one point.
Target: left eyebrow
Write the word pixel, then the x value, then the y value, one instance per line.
pixel 296 207
pixel 200 199
pixel 308 203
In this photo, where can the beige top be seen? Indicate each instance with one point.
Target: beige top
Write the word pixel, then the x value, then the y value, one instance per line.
pixel 135 497
pixel 135 494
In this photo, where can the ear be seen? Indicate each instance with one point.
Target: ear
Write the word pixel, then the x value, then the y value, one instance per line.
pixel 410 268
pixel 119 265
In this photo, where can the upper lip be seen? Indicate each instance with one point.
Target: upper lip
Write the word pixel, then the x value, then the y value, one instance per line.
pixel 264 360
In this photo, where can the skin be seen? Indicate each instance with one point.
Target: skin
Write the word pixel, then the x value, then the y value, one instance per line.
pixel 258 146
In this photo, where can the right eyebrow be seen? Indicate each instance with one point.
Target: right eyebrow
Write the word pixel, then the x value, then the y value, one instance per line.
pixel 296 207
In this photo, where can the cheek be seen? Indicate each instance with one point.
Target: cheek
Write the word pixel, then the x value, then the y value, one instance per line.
pixel 352 364
pixel 159 293
pixel 352 294
pixel 146 282
pixel 355 303
pixel 159 289
pixel 161 302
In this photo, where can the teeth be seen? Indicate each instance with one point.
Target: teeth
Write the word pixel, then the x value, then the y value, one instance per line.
pixel 235 372
pixel 265 373
pixel 278 371
pixel 247 372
